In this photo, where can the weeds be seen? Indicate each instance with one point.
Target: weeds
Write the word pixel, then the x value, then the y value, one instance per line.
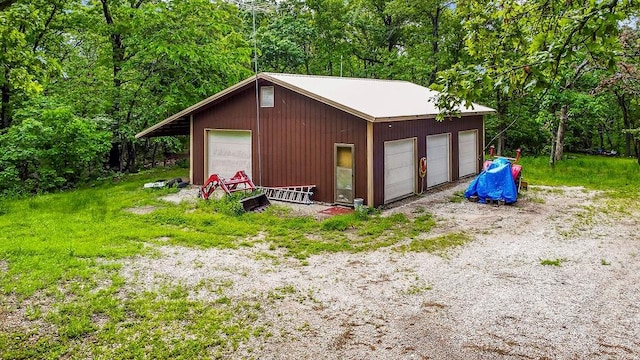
pixel 416 289
pixel 457 197
pixel 552 262
pixel 438 245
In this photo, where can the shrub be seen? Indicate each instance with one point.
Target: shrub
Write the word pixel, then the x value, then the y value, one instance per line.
pixel 230 204
pixel 49 150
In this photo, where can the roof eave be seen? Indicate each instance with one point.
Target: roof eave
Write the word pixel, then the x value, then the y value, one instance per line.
pixel 186 112
pixel 427 116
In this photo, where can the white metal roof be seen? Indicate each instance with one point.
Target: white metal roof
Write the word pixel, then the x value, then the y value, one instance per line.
pixel 375 99
pixel 370 99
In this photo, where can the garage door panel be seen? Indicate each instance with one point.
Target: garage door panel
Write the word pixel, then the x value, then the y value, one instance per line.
pixel 438 159
pixel 399 161
pixel 468 153
pixel 399 168
pixel 228 152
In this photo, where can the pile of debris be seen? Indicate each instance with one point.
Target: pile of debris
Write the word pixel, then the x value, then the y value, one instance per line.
pixel 158 184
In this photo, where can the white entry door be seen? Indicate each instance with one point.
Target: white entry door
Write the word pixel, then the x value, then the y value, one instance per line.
pixel 399 168
pixel 228 151
pixel 468 153
pixel 438 159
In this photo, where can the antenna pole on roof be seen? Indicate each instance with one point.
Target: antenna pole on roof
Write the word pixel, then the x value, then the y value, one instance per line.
pixel 255 40
pixel 255 71
pixel 244 4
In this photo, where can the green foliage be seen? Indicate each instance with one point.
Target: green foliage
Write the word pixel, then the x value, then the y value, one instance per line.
pixel 285 44
pixel 364 212
pixel 24 65
pixel 48 149
pixel 229 204
pixel 140 62
pixel 528 60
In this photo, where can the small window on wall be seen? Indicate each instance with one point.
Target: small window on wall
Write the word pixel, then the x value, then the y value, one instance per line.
pixel 266 96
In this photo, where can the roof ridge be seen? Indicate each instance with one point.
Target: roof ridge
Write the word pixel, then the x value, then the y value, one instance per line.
pixel 339 77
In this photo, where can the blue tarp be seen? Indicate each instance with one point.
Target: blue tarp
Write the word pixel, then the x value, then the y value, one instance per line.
pixel 494 183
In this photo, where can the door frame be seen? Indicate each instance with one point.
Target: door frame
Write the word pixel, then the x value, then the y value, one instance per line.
pixel 335 171
pixel 477 154
pixel 415 168
pixel 449 162
pixel 206 148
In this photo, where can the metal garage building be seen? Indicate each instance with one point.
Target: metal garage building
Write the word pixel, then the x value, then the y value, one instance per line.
pixel 352 138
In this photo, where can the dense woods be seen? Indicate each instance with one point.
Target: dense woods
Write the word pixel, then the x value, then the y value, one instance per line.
pixel 79 78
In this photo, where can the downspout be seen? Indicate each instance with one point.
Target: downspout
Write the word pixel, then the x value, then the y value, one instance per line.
pixel 255 70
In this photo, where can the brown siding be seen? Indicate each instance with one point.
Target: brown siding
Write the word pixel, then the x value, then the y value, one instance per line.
pixel 297 138
pixel 419 128
pixel 236 112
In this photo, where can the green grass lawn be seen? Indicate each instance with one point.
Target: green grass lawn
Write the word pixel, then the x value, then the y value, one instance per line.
pixel 62 295
pixel 60 278
pixel 618 176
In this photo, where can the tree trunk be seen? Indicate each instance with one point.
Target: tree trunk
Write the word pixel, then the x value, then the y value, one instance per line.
pixel 435 32
pixel 114 156
pixel 562 126
pixel 4 105
pixel 564 114
pixel 117 57
pixel 501 141
pixel 601 136
pixel 153 155
pixel 131 156
pixel 552 158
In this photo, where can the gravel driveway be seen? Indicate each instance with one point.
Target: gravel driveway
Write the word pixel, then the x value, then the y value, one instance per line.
pixel 490 299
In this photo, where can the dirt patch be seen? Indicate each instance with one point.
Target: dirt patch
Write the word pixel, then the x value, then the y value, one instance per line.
pixel 142 210
pixel 25 315
pixel 491 298
pixel 189 194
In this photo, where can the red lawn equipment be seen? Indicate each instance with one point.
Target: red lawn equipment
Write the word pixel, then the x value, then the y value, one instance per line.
pixel 239 182
pixel 516 170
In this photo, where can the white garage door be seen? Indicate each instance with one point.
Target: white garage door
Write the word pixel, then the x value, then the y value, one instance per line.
pixel 438 148
pixel 468 150
pixel 228 151
pixel 399 168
